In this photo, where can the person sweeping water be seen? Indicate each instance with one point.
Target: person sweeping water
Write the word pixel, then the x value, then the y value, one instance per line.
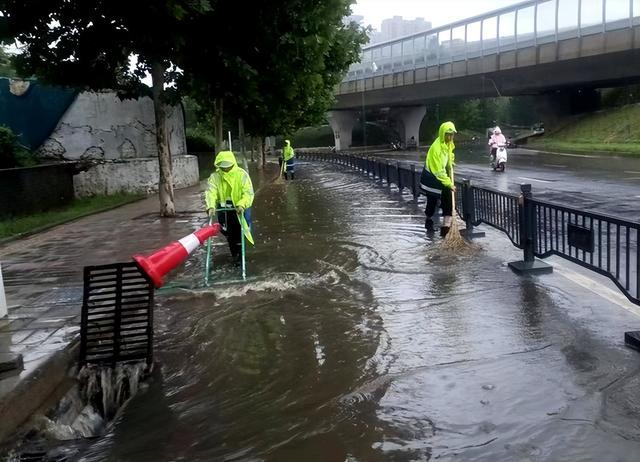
pixel 288 164
pixel 436 180
pixel 229 186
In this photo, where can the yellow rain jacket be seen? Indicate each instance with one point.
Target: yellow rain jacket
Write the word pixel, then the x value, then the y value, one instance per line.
pixel 234 185
pixel 440 157
pixel 287 151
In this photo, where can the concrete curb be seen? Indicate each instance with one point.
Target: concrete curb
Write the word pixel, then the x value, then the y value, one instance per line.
pixel 31 392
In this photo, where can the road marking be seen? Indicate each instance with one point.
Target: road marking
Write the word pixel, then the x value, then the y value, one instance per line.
pixel 632 178
pixel 597 288
pixel 631 172
pixel 534 179
pixel 555 165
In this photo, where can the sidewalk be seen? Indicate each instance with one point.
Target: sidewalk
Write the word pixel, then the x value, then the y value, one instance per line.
pixel 43 285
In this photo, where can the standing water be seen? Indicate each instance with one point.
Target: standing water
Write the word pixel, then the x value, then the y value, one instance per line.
pixel 351 342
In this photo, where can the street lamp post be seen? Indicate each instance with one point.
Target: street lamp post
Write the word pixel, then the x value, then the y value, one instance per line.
pixel 374 68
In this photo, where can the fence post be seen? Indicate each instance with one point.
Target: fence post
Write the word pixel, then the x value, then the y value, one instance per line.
pixel 469 211
pixel 387 172
pixel 399 177
pixel 414 184
pixel 528 222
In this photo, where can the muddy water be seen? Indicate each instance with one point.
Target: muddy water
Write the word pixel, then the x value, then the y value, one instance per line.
pixel 353 340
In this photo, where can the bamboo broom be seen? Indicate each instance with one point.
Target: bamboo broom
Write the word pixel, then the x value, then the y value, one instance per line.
pixel 453 240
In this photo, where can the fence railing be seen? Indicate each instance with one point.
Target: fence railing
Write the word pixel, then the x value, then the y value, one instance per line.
pixel 601 243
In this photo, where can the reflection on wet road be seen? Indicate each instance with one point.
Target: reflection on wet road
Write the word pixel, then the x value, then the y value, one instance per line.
pixel 352 341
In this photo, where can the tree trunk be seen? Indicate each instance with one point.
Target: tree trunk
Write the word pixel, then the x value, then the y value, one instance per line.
pixel 165 185
pixel 264 151
pixel 241 136
pixel 217 120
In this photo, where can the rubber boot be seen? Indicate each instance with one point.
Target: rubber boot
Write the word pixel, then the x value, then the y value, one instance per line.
pixel 285 176
pixel 428 224
pixel 444 230
pixel 292 175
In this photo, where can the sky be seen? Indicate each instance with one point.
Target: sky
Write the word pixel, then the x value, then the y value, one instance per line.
pixel 439 12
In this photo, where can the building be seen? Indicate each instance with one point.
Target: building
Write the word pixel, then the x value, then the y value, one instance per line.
pixel 398 27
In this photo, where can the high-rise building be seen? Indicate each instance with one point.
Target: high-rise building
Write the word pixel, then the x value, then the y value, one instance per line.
pixel 397 27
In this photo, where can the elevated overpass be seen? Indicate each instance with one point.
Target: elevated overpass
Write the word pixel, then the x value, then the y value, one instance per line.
pixel 533 47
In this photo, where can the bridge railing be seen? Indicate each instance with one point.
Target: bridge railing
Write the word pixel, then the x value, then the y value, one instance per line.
pixel 526 24
pixel 602 243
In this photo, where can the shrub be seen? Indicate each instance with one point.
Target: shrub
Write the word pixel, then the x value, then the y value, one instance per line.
pixel 199 142
pixel 12 153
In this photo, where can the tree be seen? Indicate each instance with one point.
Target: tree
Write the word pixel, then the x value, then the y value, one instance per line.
pixel 282 73
pixel 7 68
pixel 89 44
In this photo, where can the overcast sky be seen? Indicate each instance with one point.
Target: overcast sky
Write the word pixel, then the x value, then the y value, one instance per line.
pixel 439 12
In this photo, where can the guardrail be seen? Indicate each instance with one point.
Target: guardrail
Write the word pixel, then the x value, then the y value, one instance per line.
pixel 602 243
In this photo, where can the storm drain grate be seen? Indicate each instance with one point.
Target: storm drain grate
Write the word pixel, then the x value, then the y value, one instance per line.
pixel 117 315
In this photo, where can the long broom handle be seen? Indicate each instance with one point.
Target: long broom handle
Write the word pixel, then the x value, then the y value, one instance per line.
pixel 207 265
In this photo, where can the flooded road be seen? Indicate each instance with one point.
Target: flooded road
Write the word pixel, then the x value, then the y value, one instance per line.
pixel 604 184
pixel 355 340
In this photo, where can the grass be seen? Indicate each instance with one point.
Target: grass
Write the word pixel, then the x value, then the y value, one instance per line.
pixel 614 131
pixel 28 224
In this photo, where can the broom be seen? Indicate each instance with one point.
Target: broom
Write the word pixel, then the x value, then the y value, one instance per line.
pixel 453 240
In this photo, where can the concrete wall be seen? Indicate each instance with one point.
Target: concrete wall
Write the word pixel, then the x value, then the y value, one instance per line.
pixel 100 126
pixel 134 175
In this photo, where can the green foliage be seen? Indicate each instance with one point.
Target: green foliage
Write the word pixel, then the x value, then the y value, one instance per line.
pixel 89 44
pixel 12 153
pixel 198 141
pixel 281 72
pixel 7 68
pixel 613 126
pixel 80 207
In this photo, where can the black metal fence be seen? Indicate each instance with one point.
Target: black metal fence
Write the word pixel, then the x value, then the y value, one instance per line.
pixel 601 243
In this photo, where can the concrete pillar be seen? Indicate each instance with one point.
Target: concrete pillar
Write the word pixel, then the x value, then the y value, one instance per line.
pixel 342 123
pixel 408 120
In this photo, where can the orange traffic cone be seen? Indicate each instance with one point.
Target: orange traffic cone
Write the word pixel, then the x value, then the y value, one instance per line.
pixel 158 264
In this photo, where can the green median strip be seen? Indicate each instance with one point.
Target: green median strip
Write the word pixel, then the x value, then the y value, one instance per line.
pixel 16 227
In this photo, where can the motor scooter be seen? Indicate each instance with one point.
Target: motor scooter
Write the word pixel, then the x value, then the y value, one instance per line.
pixel 499 162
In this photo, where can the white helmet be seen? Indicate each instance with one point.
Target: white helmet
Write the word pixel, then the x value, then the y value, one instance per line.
pixel 496 130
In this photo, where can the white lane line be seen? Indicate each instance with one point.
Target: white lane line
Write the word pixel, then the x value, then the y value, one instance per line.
pixel 534 179
pixel 609 294
pixel 632 172
pixel 555 165
pixel 631 178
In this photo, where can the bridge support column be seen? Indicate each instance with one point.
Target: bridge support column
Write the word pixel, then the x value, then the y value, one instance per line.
pixel 408 122
pixel 342 123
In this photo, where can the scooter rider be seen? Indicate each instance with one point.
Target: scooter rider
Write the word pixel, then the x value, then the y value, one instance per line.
pixel 496 140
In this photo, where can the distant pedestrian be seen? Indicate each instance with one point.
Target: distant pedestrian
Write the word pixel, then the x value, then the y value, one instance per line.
pixel 435 180
pixel 287 165
pixel 230 187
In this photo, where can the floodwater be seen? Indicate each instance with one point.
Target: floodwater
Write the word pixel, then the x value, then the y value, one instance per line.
pixel 355 339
